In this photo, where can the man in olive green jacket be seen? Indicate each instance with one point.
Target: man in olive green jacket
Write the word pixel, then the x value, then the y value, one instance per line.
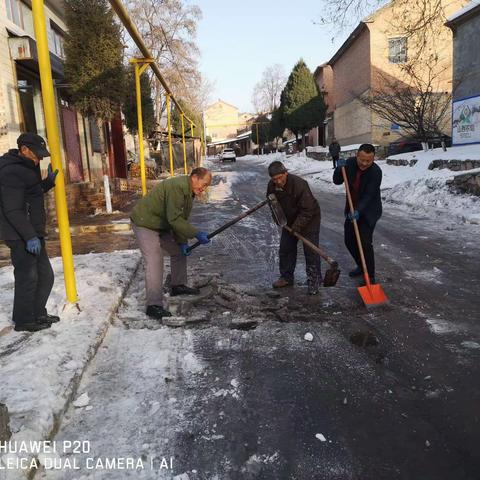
pixel 160 223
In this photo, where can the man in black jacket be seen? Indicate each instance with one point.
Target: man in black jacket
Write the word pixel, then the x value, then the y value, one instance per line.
pixel 303 216
pixel 22 227
pixel 364 179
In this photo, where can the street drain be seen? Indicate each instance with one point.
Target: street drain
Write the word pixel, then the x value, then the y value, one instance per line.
pixel 364 339
pixel 244 326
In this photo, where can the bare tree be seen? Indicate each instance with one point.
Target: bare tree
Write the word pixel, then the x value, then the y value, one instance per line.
pixel 416 102
pixel 266 93
pixel 169 29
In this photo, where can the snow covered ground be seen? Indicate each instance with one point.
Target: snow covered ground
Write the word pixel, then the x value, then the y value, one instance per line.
pixel 416 188
pixel 39 372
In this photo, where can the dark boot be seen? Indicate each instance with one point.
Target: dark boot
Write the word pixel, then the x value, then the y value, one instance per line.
pixel 32 326
pixel 48 318
pixel 157 312
pixel 357 272
pixel 183 290
pixel 282 282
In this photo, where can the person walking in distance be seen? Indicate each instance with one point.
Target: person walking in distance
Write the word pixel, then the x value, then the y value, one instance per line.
pixel 334 149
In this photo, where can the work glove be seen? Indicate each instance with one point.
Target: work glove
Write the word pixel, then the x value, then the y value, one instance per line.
pixel 51 175
pixel 202 237
pixel 184 249
pixel 34 246
pixel 353 216
pixel 341 162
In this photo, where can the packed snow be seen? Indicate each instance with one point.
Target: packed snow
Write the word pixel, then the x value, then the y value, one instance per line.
pixel 416 188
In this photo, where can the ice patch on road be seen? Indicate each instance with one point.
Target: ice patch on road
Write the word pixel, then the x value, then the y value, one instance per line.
pixel 440 326
pixel 431 276
pixel 471 345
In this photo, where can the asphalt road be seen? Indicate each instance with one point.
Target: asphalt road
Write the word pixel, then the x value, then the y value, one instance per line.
pixel 245 396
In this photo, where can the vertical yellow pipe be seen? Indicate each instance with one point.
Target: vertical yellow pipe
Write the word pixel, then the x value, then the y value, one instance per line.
pixel 201 147
pixel 169 127
pixel 193 143
pixel 140 128
pixel 50 111
pixel 184 145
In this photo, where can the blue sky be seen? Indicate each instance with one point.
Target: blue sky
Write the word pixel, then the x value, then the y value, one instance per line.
pixel 239 39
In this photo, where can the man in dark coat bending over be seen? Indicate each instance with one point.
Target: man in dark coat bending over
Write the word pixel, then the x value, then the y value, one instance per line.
pixel 364 179
pixel 303 216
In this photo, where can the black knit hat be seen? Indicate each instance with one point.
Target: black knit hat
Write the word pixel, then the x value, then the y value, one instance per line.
pixel 276 168
pixel 35 143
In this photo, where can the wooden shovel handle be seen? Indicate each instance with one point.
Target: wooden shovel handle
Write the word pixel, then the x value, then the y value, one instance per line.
pixel 311 245
pixel 355 227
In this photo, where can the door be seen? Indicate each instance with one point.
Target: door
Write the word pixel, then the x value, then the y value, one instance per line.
pixel 71 141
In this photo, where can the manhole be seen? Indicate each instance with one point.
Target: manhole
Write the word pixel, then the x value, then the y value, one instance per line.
pixel 364 339
pixel 244 325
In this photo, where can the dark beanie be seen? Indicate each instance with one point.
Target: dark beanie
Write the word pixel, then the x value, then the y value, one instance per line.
pixel 276 168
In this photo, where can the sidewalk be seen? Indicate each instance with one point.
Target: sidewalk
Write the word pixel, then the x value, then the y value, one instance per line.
pixel 39 372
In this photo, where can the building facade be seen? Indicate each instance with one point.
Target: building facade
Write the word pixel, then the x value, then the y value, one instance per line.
pixel 379 48
pixel 222 120
pixel 465 25
pixel 21 106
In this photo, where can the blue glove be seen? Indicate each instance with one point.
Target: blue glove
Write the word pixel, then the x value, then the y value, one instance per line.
pixel 183 248
pixel 34 246
pixel 353 216
pixel 341 162
pixel 202 237
pixel 52 175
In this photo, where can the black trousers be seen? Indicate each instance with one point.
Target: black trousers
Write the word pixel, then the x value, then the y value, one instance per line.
pixel 335 160
pixel 33 282
pixel 366 234
pixel 288 257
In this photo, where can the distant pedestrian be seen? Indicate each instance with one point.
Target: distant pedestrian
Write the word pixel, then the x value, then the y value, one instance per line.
pixel 364 178
pixel 160 223
pixel 334 150
pixel 22 227
pixel 303 216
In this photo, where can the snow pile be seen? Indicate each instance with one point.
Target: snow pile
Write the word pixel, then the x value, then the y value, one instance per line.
pixel 464 152
pixel 416 188
pixel 39 371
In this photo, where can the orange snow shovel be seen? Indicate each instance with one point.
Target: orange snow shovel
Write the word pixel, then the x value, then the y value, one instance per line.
pixel 372 294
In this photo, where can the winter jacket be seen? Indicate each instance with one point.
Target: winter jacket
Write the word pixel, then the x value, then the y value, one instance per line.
pixel 167 208
pixel 298 203
pixel 22 210
pixel 334 149
pixel 369 202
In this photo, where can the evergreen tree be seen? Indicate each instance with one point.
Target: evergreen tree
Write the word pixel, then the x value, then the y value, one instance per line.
pixel 130 105
pixel 94 61
pixel 276 126
pixel 195 116
pixel 303 106
pixel 263 130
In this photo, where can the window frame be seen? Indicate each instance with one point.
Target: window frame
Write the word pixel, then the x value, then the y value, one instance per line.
pixel 400 47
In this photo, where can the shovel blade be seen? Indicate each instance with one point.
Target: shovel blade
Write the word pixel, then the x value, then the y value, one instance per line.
pixel 372 295
pixel 331 277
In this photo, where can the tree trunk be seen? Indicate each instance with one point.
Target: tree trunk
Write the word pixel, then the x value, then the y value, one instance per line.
pixel 103 150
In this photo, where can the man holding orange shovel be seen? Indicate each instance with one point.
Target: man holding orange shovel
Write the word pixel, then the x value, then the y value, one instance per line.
pixel 363 184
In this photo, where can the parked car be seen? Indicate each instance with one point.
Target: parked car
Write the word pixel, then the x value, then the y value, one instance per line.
pixel 229 154
pixel 406 145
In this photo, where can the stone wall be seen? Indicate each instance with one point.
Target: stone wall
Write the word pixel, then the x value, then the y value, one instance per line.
pixel 401 162
pixel 455 165
pixel 466 183
pixel 5 432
